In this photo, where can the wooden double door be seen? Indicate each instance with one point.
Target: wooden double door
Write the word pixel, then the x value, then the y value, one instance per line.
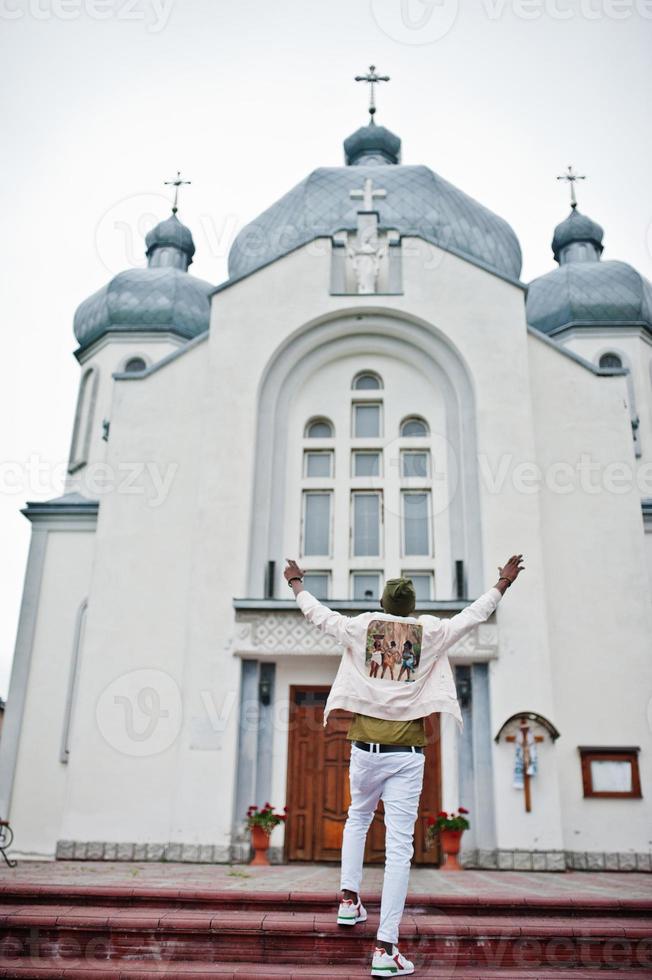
pixel 318 785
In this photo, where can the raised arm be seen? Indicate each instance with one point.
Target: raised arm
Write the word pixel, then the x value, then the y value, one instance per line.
pixel 326 620
pixel 459 625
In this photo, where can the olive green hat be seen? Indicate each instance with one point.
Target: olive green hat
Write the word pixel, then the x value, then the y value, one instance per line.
pixel 399 597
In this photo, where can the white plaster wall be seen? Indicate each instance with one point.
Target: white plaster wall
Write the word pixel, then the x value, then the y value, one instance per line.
pixel 599 613
pixel 107 356
pixel 40 785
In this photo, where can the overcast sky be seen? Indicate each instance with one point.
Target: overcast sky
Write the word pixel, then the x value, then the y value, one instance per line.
pixel 103 100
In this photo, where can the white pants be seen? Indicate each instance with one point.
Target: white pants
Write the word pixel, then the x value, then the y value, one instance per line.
pixel 395 778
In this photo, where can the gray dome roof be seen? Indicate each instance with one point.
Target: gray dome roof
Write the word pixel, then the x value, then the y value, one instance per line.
pixel 418 203
pixel 163 298
pixel 576 228
pixel 372 140
pixel 589 293
pixel 171 233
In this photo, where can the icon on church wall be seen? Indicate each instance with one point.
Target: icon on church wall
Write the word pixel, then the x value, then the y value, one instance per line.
pixel 393 650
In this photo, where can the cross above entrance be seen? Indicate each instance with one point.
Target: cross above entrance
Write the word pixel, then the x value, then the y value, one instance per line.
pixel 367 194
pixel 571 178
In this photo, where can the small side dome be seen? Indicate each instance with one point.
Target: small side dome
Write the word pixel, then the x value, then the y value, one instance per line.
pixel 163 297
pixel 372 144
pixel 576 228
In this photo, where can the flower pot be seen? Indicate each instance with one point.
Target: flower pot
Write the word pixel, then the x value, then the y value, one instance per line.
pixel 260 844
pixel 450 841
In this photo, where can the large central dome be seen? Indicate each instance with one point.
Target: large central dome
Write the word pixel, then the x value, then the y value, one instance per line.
pixel 418 203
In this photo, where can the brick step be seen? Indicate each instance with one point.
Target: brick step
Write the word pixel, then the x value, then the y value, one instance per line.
pixel 302 937
pixel 129 896
pixel 85 969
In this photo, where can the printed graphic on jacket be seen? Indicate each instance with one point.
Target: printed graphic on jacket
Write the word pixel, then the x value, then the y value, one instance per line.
pixel 393 650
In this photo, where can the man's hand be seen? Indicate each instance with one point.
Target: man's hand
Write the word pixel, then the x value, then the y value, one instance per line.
pixel 292 570
pixel 509 572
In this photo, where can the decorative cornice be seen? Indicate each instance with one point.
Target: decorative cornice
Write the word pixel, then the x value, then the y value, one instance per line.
pixel 268 632
pixel 61 509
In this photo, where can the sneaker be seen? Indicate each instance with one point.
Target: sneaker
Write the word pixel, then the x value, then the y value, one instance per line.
pixel 349 913
pixel 384 965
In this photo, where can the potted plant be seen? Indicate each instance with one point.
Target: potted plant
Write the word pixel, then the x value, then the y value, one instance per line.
pixel 261 822
pixel 449 827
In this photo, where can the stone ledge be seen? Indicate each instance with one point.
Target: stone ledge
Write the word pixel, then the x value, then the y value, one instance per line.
pixel 521 860
pixel 68 850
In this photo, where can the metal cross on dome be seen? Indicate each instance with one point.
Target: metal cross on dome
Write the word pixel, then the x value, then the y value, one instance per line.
pixel 571 178
pixel 372 79
pixel 176 183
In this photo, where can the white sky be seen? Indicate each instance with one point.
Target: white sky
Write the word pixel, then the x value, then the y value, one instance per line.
pixel 248 96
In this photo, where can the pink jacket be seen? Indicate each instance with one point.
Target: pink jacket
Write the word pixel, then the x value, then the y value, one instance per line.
pixel 412 677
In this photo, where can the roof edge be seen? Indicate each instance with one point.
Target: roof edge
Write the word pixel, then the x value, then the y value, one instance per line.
pixel 159 365
pixel 582 361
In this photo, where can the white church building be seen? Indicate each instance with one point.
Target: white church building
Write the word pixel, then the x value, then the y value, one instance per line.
pixel 375 392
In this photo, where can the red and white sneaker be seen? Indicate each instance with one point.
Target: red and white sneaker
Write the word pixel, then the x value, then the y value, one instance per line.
pixel 386 965
pixel 349 913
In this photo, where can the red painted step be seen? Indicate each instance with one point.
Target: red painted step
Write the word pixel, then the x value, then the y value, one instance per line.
pixel 128 896
pixel 59 967
pixel 299 938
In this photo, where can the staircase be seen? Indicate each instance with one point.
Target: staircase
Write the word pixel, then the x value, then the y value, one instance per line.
pixel 145 932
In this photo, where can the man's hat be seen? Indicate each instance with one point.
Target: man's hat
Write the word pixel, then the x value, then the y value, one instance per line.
pixel 399 597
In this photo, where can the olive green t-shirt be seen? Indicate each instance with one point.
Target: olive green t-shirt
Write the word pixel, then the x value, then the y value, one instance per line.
pixel 364 728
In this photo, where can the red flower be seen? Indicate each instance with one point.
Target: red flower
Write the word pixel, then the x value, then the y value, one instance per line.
pixel 431 821
pixel 442 813
pixel 284 816
pixel 462 809
pixel 285 808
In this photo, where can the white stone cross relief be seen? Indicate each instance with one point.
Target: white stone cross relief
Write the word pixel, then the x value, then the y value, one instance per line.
pixel 367 194
pixel 366 250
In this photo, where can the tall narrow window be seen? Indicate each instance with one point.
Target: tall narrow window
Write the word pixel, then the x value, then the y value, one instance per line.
pixel 316 523
pixel 366 463
pixel 318 463
pixel 84 415
pixel 414 464
pixel 318 584
pixel 422 582
pixel 416 522
pixel 366 421
pixel 365 585
pixel 366 523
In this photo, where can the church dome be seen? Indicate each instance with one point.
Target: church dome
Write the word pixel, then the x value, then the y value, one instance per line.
pixel 418 203
pixel 576 228
pixel 171 233
pixel 584 291
pixel 589 294
pixel 161 297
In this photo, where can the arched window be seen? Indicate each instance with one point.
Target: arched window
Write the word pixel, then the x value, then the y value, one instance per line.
pixel 84 414
pixel 367 381
pixel 135 364
pixel 610 360
pixel 414 426
pixel 319 429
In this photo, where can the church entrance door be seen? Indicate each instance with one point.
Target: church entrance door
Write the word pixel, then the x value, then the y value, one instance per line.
pixel 318 785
